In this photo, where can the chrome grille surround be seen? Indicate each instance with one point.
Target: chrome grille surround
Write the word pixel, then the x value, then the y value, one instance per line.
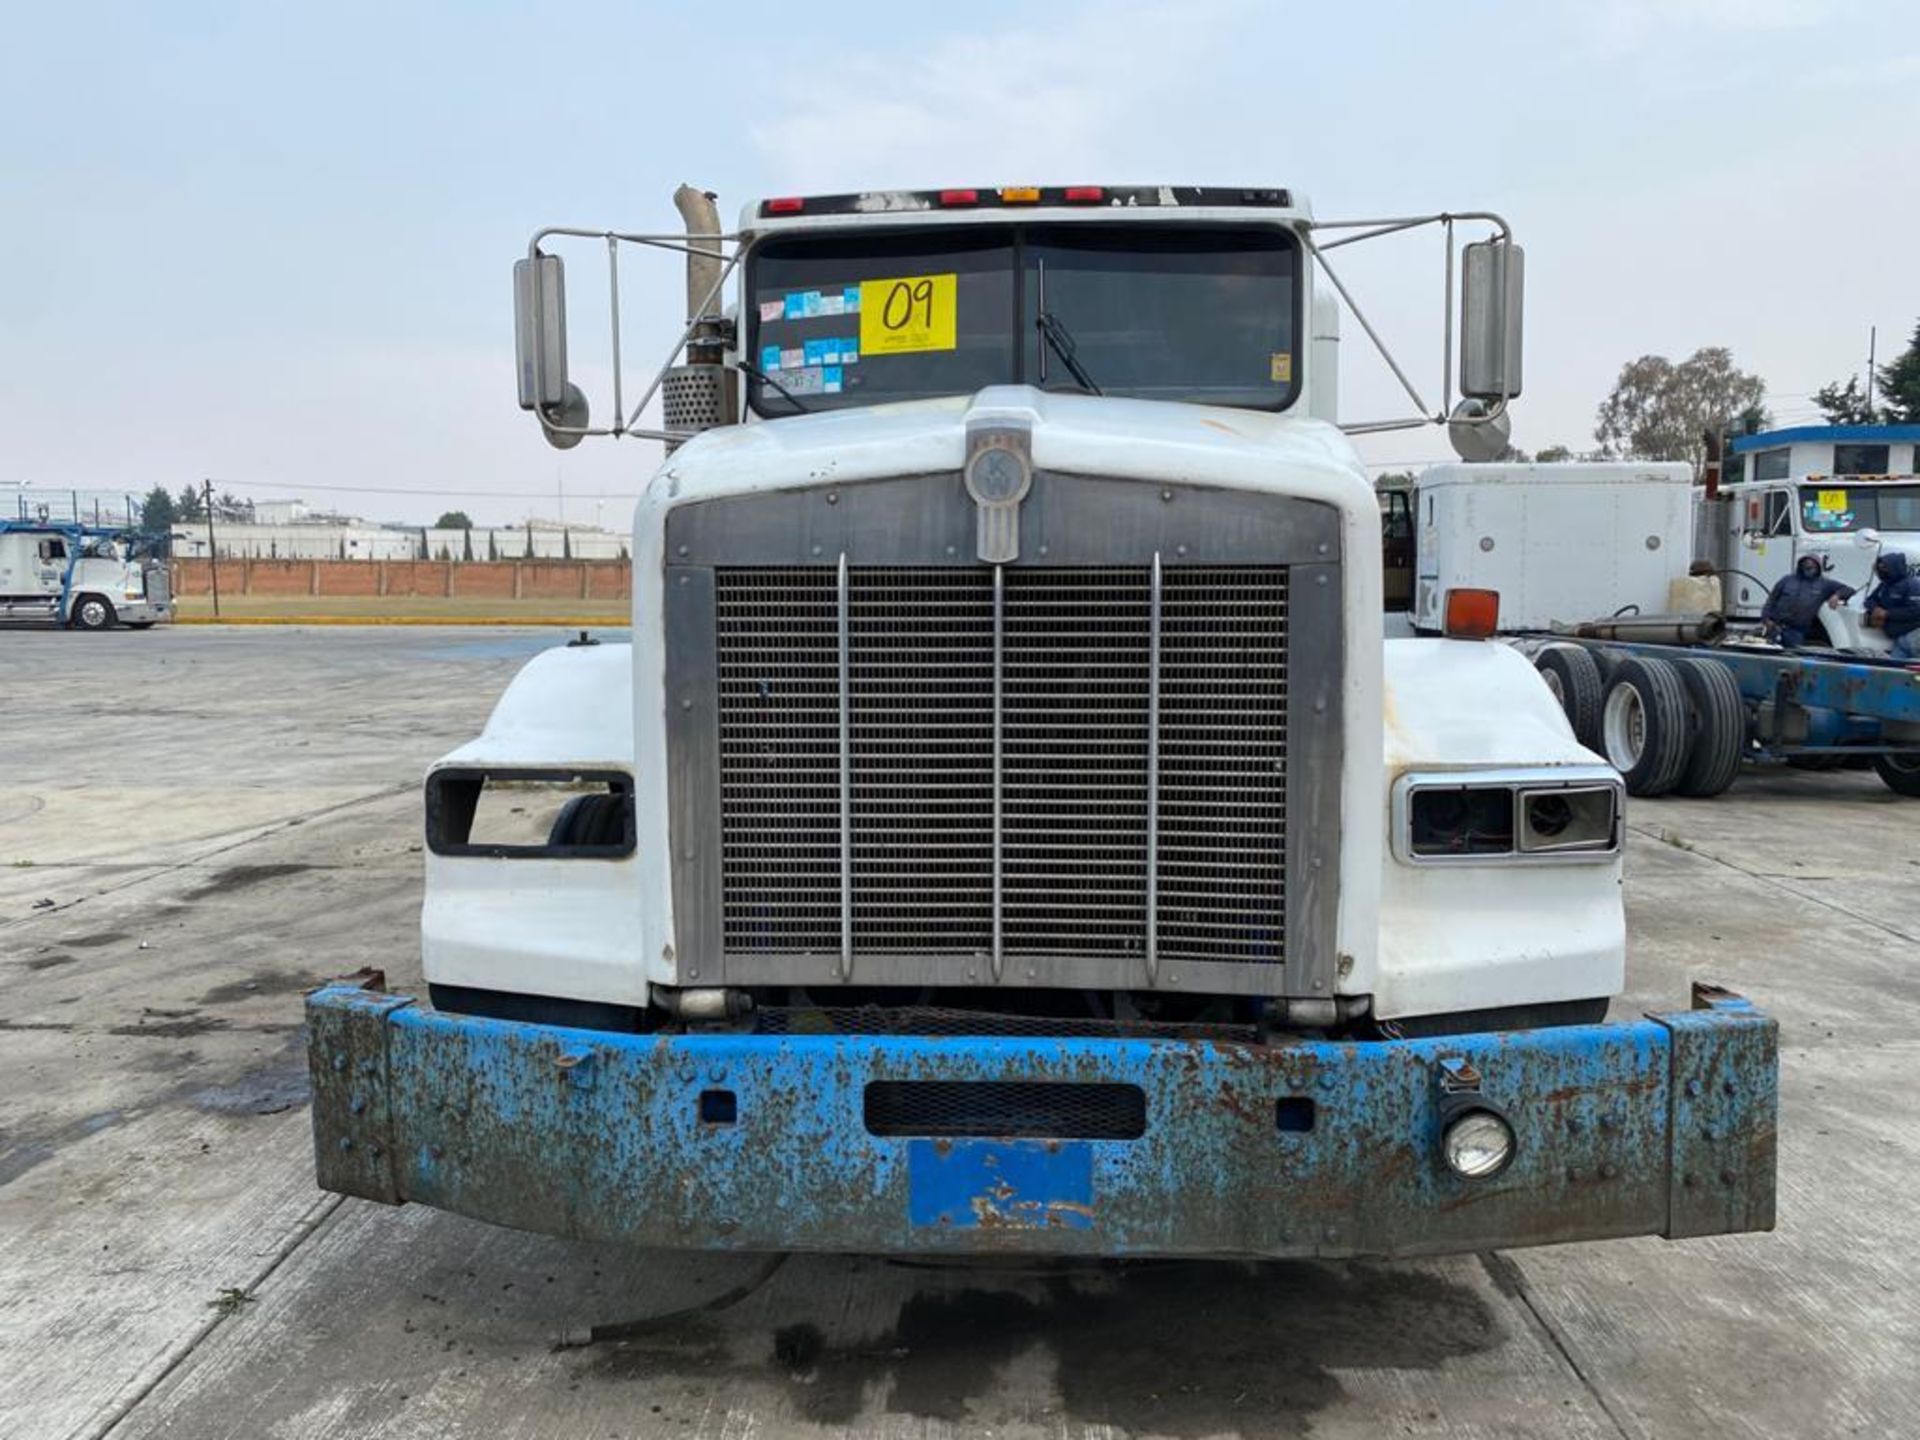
pixel 891 764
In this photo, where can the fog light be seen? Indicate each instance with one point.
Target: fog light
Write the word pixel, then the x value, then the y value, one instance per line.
pixel 1477 1145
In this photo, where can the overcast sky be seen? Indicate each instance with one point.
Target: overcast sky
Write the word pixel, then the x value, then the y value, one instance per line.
pixel 270 243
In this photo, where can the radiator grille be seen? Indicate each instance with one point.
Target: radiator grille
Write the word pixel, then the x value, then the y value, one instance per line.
pixel 1137 762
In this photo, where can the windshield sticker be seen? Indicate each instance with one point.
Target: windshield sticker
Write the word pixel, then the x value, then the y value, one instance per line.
pixel 772 310
pixel 909 313
pixel 792 358
pixel 1280 367
pixel 769 357
pixel 813 380
pixel 1833 501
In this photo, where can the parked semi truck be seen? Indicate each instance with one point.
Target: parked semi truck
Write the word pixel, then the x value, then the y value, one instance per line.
pixel 1591 562
pixel 1008 829
pixel 85 576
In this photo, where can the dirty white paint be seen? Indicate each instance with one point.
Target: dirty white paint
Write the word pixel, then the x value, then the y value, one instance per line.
pixel 1473 936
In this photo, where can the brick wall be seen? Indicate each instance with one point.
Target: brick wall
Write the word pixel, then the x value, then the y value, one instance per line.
pixel 506 580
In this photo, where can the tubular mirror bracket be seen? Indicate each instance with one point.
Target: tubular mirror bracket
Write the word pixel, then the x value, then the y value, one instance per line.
pixel 728 248
pixel 1373 230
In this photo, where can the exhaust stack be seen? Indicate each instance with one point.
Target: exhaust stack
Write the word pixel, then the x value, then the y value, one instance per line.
pixel 702 393
pixel 702 220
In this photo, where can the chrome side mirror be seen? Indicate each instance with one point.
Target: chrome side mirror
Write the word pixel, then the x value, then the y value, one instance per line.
pixel 540 331
pixel 540 350
pixel 1492 289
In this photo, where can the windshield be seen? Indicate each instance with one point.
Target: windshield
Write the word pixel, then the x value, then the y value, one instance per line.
pixel 1194 313
pixel 1841 509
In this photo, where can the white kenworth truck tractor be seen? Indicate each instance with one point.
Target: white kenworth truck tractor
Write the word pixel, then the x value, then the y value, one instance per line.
pixel 1008 830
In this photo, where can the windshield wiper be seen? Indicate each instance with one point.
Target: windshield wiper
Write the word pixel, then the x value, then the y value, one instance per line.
pixel 1059 339
pixel 765 379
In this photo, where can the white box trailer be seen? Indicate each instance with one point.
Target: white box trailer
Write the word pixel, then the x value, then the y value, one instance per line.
pixel 1560 542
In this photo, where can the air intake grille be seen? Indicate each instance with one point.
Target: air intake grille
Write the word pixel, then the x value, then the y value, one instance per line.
pixel 1050 1110
pixel 1127 735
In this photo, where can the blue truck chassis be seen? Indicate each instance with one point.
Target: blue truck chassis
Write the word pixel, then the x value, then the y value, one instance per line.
pixel 1661 1126
pixel 1814 702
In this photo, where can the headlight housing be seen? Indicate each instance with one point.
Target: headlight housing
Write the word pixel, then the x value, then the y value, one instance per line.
pixel 1477 1144
pixel 1568 813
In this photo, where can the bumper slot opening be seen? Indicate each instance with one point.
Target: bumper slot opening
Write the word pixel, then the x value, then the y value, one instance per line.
pixel 1005 1109
pixel 719 1107
pixel 1294 1114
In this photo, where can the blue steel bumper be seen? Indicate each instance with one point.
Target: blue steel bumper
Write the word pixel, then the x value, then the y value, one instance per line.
pixel 1664 1126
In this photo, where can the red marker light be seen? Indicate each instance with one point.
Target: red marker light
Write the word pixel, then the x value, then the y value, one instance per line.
pixel 959 197
pixel 1085 194
pixel 1472 614
pixel 785 205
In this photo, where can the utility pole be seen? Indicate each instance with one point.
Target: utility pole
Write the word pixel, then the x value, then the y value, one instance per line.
pixel 1873 337
pixel 213 553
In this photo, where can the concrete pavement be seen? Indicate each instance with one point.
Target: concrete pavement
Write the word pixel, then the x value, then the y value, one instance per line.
pixel 197 824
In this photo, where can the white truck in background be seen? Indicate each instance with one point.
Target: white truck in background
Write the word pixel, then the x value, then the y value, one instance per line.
pixel 82 576
pixel 1593 565
pixel 1008 830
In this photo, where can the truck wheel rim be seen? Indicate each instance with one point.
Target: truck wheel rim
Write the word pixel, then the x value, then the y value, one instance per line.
pixel 1906 762
pixel 1552 677
pixel 91 613
pixel 1625 727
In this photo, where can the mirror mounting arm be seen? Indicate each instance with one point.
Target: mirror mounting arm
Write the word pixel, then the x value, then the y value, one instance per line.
pixel 1488 376
pixel 541 340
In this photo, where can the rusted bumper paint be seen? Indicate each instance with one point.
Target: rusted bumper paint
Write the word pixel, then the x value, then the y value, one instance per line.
pixel 1664 1126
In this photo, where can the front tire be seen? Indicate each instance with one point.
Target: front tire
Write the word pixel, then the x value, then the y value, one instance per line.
pixel 1645 725
pixel 595 820
pixel 1901 772
pixel 92 612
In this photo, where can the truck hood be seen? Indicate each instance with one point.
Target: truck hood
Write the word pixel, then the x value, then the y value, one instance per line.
pixel 1084 434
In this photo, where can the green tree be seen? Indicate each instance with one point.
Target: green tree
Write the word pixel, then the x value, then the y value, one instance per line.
pixel 191 505
pixel 1900 384
pixel 453 520
pixel 156 512
pixel 1847 404
pixel 1554 455
pixel 1658 410
pixel 466 544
